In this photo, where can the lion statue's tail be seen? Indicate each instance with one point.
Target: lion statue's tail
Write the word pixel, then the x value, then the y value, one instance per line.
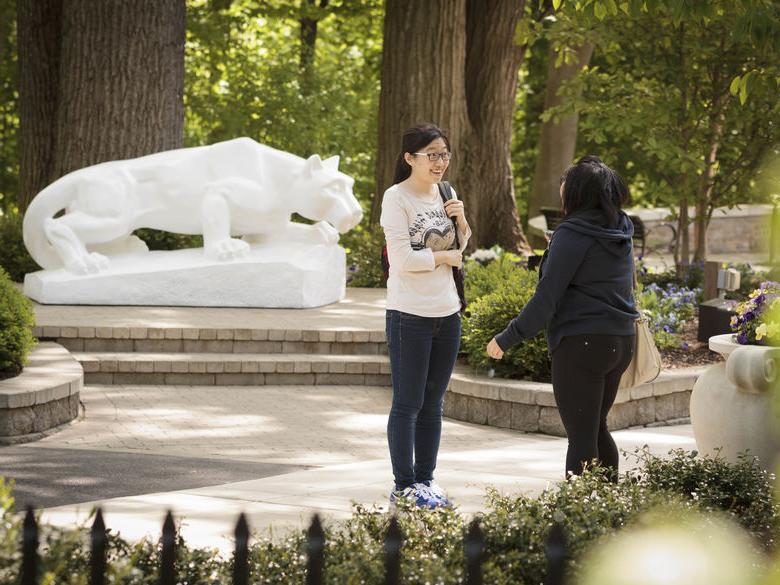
pixel 52 199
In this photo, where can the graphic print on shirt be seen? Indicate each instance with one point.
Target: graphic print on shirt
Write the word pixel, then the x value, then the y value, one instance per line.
pixel 432 229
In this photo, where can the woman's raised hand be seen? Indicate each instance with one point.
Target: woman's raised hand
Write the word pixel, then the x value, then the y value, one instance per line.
pixel 455 210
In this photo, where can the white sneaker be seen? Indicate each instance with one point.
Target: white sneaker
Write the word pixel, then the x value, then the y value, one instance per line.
pixel 418 493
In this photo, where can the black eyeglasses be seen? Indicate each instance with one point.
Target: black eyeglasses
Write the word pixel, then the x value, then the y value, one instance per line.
pixel 434 156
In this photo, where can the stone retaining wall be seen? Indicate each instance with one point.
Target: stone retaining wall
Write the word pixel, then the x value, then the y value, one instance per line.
pixel 530 406
pixel 738 230
pixel 44 396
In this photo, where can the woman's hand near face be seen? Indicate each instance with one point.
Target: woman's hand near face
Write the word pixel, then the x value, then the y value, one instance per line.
pixel 494 350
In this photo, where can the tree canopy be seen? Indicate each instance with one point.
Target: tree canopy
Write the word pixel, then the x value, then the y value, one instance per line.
pixel 679 96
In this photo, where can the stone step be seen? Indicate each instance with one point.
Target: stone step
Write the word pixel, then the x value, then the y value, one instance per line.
pixel 211 340
pixel 233 369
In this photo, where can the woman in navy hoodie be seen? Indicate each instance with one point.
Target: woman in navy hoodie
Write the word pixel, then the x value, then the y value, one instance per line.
pixel 585 303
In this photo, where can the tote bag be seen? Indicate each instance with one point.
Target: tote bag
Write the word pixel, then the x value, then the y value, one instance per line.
pixel 646 362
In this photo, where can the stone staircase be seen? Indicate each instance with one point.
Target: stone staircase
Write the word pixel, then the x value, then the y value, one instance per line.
pixel 217 356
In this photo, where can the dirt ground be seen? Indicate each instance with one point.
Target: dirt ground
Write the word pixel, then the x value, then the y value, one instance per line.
pixel 697 353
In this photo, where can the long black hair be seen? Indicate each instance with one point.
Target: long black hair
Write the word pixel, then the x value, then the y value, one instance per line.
pixel 590 184
pixel 414 139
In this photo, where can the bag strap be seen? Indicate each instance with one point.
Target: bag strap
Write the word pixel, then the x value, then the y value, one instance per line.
pixel 445 190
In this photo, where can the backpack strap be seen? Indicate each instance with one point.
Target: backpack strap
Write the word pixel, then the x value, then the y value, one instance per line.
pixel 445 190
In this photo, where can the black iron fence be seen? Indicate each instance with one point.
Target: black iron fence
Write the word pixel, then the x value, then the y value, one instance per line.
pixel 473 545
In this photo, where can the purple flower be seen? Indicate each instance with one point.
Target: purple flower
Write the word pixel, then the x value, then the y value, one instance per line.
pixel 685 345
pixel 742 338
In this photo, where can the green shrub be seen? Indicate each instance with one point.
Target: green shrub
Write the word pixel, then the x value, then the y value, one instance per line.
pixel 16 322
pixel 482 279
pixel 364 245
pixel 490 313
pixel 744 489
pixel 515 530
pixel 161 240
pixel 693 278
pixel 14 257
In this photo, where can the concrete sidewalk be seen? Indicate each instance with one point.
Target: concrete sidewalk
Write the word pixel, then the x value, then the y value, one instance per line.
pixel 335 435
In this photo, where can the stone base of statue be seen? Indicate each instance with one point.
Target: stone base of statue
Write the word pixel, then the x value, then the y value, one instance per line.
pixel 288 275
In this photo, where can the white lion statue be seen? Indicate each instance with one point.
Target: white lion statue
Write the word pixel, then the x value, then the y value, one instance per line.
pixel 238 194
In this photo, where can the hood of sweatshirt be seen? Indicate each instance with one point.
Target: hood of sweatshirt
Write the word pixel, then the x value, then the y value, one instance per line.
pixel 593 223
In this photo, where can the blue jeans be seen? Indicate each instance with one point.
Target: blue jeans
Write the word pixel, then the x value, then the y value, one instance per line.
pixel 422 355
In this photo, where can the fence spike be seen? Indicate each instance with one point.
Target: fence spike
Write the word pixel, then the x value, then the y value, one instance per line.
pixel 241 557
pixel 168 556
pixel 392 545
pixel 315 548
pixel 29 548
pixel 474 545
pixel 98 541
pixel 555 551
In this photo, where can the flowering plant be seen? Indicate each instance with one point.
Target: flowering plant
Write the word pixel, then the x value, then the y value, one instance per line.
pixel 484 256
pixel 757 321
pixel 667 309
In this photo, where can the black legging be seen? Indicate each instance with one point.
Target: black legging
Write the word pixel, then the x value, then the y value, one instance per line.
pixel 586 371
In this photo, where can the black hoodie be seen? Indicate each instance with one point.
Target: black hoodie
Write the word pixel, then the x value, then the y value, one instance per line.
pixel 585 283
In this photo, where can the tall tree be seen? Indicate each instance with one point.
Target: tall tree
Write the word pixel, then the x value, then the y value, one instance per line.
pixel 455 63
pixel 99 80
pixel 665 89
pixel 9 114
pixel 558 138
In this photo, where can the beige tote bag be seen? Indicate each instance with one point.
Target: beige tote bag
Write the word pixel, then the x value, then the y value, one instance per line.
pixel 646 362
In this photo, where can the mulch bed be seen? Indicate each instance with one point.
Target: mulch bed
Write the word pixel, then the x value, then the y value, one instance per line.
pixel 696 354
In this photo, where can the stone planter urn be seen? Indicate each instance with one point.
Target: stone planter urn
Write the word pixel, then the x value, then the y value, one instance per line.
pixel 732 404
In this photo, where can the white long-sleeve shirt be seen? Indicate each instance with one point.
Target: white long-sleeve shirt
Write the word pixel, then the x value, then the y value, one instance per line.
pixel 415 227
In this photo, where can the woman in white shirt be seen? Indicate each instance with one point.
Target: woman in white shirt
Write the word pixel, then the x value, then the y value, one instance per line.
pixel 423 308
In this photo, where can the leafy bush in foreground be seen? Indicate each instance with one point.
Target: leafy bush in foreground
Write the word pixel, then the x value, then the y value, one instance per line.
pixel 515 528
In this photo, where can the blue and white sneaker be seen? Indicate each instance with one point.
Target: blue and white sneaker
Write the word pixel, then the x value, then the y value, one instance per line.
pixel 437 491
pixel 418 493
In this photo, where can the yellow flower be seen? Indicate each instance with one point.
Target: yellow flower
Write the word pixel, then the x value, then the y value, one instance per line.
pixel 772 329
pixel 761 331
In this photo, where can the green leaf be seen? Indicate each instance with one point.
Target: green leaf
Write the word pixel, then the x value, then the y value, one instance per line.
pixel 735 83
pixel 557 4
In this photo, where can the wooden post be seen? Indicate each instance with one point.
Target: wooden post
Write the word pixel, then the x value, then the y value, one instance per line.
pixel 710 280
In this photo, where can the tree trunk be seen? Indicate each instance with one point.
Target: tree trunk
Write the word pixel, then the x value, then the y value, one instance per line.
pixel 707 181
pixel 422 80
pixel 309 34
pixel 454 63
pixel 108 79
pixel 683 242
pixel 492 61
pixel 558 140
pixel 38 26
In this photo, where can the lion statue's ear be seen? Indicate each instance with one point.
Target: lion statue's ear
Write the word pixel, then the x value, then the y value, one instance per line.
pixel 313 163
pixel 331 163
